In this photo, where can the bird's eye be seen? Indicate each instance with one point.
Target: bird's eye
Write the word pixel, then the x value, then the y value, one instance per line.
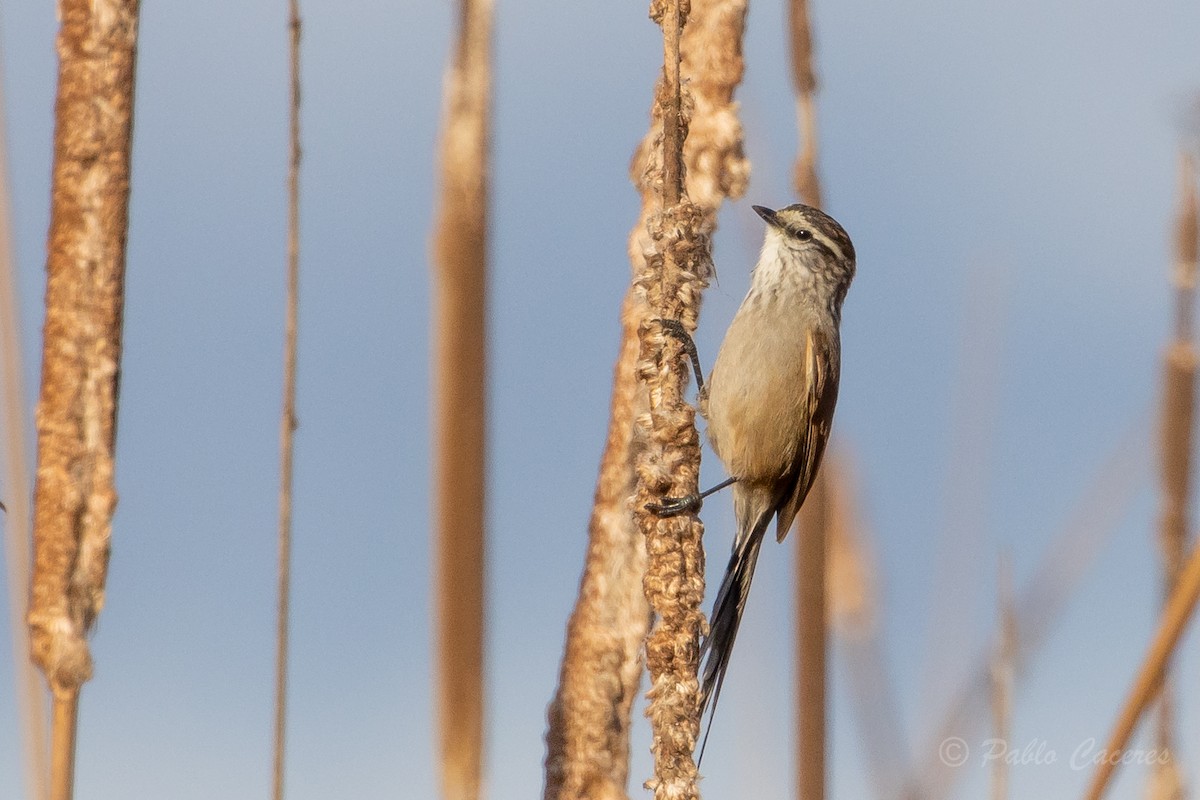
pixel 803 234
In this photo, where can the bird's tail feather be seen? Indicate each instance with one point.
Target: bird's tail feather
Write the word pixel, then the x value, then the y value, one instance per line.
pixel 726 616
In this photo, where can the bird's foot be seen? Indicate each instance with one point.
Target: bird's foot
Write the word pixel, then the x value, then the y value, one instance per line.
pixel 673 506
pixel 675 328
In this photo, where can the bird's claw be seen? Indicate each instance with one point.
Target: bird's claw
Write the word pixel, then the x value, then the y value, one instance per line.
pixel 673 506
pixel 674 327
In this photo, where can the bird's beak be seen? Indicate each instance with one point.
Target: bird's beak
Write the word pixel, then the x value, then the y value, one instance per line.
pixel 767 214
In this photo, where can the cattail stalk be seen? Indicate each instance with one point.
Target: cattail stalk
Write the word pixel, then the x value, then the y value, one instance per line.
pixel 588 738
pixel 587 742
pixel 671 281
pixel 1176 614
pixel 460 320
pixel 668 446
pixel 74 496
pixel 287 422
pixel 30 693
pixel 1178 400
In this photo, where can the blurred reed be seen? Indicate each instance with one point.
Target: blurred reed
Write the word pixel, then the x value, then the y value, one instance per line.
pixel 287 421
pixel 814 520
pixel 1003 675
pixel 30 692
pixel 804 82
pixel 1175 616
pixel 460 322
pixel 1175 447
pixel 1039 604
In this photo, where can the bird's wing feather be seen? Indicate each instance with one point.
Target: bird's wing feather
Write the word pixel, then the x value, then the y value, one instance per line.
pixel 822 366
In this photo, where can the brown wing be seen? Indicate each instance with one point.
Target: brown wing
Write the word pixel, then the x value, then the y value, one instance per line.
pixel 822 365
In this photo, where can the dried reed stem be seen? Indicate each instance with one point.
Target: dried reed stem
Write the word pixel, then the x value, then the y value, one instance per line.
pixel 1166 782
pixel 74 496
pixel 671 15
pixel 804 80
pixel 1003 676
pixel 1176 614
pixel 811 638
pixel 714 164
pixel 1178 400
pixel 30 692
pixel 460 255
pixel 1187 248
pixel 62 745
pixel 287 421
pixel 588 737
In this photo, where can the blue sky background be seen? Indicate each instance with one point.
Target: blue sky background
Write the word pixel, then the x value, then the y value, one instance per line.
pixel 1007 172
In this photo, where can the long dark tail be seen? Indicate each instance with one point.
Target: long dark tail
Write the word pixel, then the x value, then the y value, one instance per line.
pixel 726 616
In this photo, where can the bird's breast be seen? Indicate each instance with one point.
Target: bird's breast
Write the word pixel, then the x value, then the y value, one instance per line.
pixel 757 406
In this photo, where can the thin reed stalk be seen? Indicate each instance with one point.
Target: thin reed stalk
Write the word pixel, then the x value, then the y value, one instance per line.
pixel 74 496
pixel 588 736
pixel 460 328
pixel 287 421
pixel 1176 433
pixel 30 692
pixel 812 631
pixel 811 638
pixel 804 81
pixel 1003 676
pixel 1175 616
pixel 62 745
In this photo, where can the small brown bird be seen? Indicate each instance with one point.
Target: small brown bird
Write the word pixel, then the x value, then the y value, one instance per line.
pixel 769 400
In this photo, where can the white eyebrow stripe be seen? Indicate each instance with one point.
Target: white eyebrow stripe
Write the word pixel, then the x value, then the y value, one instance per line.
pixel 828 242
